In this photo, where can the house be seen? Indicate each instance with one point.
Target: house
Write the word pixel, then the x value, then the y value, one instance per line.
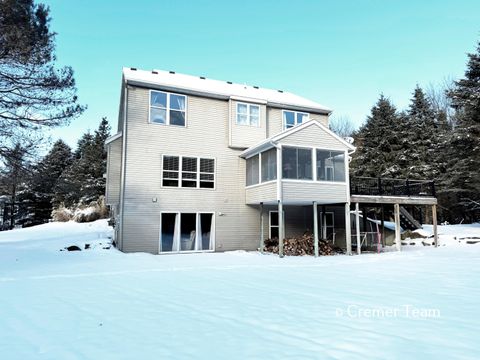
pixel 205 165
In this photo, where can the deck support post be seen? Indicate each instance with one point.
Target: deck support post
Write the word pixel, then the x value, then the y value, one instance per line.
pixel 281 229
pixel 262 236
pixel 348 229
pixel 357 227
pixel 315 228
pixel 324 222
pixel 398 240
pixel 434 221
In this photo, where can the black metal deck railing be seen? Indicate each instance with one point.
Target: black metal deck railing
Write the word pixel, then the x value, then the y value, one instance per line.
pixel 391 187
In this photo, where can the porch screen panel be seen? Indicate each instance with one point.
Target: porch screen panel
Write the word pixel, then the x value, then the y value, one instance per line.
pixel 330 165
pixel 269 165
pixel 297 163
pixel 252 170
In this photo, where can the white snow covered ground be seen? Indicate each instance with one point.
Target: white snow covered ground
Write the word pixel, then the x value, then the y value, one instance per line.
pixel 103 304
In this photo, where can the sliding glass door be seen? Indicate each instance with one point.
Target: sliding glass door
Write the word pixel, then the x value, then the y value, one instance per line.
pixel 186 232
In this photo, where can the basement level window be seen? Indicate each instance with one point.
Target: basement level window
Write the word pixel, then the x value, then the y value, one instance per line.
pixel 293 118
pixel 167 108
pixel 188 172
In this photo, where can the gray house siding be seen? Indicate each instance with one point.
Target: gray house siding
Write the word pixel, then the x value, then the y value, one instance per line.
pixel 207 119
pixel 244 136
pixel 275 120
pixel 305 191
pixel 114 157
pixel 314 136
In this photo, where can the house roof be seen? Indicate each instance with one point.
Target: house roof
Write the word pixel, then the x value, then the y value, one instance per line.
pixel 170 80
pixel 273 140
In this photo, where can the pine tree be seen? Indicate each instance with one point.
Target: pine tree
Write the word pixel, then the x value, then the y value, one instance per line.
pixel 13 173
pixel 40 194
pixel 83 181
pixel 378 142
pixel 425 130
pixel 463 152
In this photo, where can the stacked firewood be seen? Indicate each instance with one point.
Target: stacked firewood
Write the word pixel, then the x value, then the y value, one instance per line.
pixel 301 245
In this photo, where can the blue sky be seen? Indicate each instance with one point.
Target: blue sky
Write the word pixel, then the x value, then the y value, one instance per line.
pixel 342 54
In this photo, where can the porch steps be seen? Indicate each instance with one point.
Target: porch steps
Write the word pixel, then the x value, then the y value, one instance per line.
pixel 407 221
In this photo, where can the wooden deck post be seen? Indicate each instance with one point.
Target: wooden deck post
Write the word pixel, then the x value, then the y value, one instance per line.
pixel 281 229
pixel 357 227
pixel 434 220
pixel 324 222
pixel 398 240
pixel 348 229
pixel 315 228
pixel 262 236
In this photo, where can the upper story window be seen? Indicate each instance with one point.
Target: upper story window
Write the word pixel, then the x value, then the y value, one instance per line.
pixel 293 118
pixel 188 172
pixel 167 108
pixel 330 165
pixel 248 114
pixel 297 163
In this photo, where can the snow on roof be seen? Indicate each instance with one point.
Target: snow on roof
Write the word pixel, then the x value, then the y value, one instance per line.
pixel 220 88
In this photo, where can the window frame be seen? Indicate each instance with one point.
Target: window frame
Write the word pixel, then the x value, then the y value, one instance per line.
pixel 314 161
pixel 249 119
pixel 198 215
pixel 198 173
pixel 167 108
pixel 295 114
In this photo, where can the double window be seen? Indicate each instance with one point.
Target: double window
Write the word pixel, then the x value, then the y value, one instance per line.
pixel 248 114
pixel 293 118
pixel 188 172
pixel 167 108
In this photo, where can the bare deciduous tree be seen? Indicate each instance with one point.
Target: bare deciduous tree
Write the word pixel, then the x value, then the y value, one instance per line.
pixel 342 126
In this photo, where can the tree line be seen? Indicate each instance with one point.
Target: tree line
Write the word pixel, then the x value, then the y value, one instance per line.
pixel 62 178
pixel 436 138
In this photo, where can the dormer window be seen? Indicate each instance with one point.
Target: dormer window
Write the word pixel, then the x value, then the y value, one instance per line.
pixel 248 114
pixel 293 118
pixel 167 108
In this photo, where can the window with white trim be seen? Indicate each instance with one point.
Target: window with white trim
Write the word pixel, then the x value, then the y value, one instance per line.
pixel 167 108
pixel 296 163
pixel 293 118
pixel 253 170
pixel 248 114
pixel 188 172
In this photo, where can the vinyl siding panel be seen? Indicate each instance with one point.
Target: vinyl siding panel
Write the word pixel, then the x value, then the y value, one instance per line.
pixel 244 136
pixel 206 135
pixel 323 193
pixel 314 136
pixel 275 120
pixel 261 193
pixel 112 196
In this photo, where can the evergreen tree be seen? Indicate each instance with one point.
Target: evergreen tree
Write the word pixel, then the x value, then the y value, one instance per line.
pixel 463 151
pixel 83 181
pixel 40 195
pixel 13 174
pixel 425 133
pixel 378 142
pixel 34 92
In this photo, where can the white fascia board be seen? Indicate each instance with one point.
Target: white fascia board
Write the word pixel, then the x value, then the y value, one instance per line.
pixel 113 138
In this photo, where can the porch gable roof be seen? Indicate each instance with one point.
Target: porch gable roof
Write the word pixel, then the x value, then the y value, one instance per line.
pixel 274 140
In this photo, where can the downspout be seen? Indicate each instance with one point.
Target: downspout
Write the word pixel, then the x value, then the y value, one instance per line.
pixel 122 176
